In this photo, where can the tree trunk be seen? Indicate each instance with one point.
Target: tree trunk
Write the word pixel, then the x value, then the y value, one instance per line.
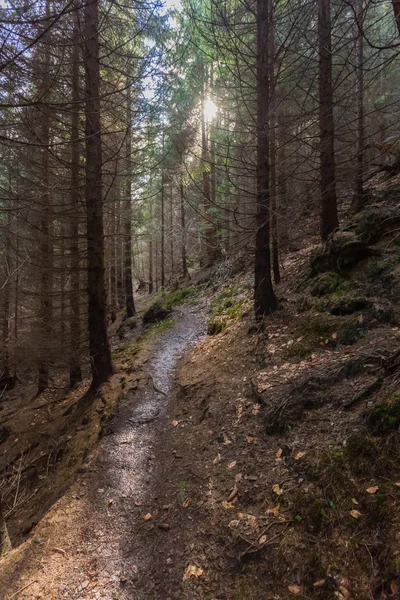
pixel 359 178
pixel 329 214
pixel 185 273
pixel 211 249
pixel 129 300
pixel 75 371
pixel 46 303
pixel 99 348
pixel 171 228
pixel 265 300
pixel 163 224
pixel 273 152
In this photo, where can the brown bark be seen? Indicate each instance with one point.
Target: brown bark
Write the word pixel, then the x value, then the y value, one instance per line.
pixel 185 273
pixel 265 300
pixel 129 300
pixel 99 348
pixel 273 153
pixel 75 371
pixel 329 214
pixel 163 222
pixel 359 175
pixel 46 249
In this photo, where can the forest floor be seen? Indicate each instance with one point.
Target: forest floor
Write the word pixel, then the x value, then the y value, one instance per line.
pixel 257 462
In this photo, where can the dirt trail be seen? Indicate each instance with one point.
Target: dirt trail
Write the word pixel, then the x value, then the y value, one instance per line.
pixel 93 542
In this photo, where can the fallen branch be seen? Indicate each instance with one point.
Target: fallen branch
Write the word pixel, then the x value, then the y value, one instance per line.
pixel 22 589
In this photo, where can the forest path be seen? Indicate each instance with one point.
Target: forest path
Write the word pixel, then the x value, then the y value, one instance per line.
pixel 100 539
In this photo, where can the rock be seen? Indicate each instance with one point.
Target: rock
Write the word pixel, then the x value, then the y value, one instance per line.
pixel 155 314
pixel 342 251
pixel 375 222
pixel 126 326
pixel 348 306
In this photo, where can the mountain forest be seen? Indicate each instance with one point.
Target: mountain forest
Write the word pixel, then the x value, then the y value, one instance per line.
pixel 199 299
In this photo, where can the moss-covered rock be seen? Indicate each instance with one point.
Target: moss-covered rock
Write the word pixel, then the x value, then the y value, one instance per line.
pixel 373 223
pixel 325 284
pixel 342 251
pixel 348 305
pixel 126 326
pixel 155 314
pixel 384 418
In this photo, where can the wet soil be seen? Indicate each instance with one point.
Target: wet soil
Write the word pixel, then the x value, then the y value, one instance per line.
pixel 103 538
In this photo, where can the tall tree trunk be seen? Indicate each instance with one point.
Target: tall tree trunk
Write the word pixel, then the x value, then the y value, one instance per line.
pixel 99 347
pixel 162 222
pixel 75 371
pixel 113 259
pixel 46 246
pixel 273 183
pixel 329 213
pixel 211 250
pixel 265 300
pixel 171 228
pixel 6 380
pixel 185 273
pixel 129 300
pixel 359 178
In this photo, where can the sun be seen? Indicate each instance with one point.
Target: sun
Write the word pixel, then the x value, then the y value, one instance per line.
pixel 210 109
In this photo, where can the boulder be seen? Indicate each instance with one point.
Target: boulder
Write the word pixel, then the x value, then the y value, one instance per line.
pixel 155 314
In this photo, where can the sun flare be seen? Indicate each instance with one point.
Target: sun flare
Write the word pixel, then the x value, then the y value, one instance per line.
pixel 210 110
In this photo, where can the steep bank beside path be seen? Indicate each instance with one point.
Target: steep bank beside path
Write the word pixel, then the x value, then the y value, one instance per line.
pixel 94 542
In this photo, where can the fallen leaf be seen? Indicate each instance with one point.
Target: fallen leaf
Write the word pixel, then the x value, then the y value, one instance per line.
pixel 320 583
pixel 394 588
pixel 175 423
pixel 372 490
pixel 354 501
pixel 192 571
pixel 294 589
pixel 233 494
pixel 397 483
pixel 299 455
pixel 344 591
pixel 279 454
pixel 148 517
pixel 262 540
pixel 277 489
pixel 186 503
pixel 233 464
pixel 217 459
pixel 355 514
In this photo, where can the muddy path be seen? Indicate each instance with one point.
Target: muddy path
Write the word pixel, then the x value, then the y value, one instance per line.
pixel 108 537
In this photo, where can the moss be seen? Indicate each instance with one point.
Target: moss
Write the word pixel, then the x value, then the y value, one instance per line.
pixel 174 298
pixel 385 418
pixel 352 331
pixel 326 284
pixel 360 452
pixel 216 325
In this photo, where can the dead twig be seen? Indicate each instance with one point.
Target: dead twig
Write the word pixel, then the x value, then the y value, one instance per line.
pixel 22 589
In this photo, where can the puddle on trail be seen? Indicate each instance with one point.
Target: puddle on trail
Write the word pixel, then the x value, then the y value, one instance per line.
pixel 118 489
